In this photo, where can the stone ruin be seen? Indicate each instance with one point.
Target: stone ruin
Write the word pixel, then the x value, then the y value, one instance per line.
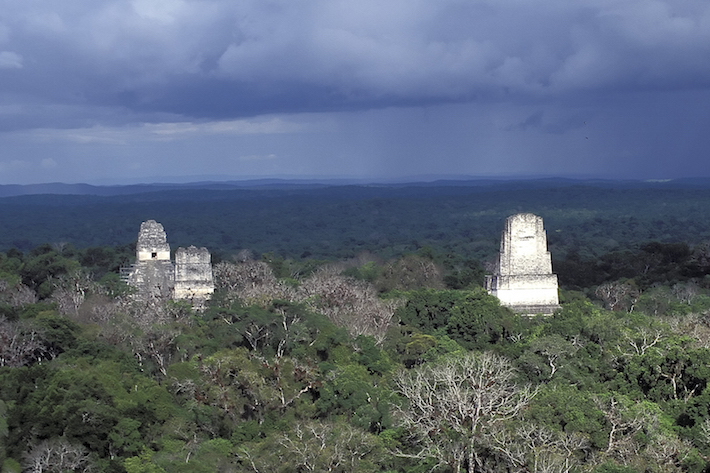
pixel 155 275
pixel 193 274
pixel 522 279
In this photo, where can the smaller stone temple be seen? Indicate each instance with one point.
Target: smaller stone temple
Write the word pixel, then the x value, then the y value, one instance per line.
pixel 155 275
pixel 193 274
pixel 523 278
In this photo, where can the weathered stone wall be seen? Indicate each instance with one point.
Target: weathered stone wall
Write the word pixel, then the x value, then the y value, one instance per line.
pixel 193 274
pixel 152 243
pixel 523 246
pixel 153 278
pixel 154 275
pixel 523 278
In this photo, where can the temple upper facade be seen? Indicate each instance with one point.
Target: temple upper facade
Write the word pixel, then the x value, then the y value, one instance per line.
pixel 523 278
pixel 155 275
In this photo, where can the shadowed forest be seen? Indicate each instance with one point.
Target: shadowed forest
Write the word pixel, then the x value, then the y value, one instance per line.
pixel 349 332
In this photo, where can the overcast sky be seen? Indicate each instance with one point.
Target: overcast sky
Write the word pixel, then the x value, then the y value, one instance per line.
pixel 118 91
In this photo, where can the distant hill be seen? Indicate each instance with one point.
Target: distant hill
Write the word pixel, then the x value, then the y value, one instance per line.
pixel 57 188
pixel 310 219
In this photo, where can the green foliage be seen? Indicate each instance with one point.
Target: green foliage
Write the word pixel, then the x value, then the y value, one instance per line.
pixel 566 408
pixel 269 384
pixel 10 466
pixel 142 463
pixel 104 260
pixel 3 430
pixel 373 358
pixel 97 404
pixel 461 273
pixel 478 321
pixel 43 264
pixel 614 468
pixel 473 318
pixel 369 272
pixel 59 333
pixel 355 394
pixel 337 222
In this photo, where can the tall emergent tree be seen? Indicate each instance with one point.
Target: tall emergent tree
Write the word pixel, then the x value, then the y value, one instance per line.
pixel 453 405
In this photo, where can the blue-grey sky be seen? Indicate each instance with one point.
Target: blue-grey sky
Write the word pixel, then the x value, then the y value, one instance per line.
pixel 114 91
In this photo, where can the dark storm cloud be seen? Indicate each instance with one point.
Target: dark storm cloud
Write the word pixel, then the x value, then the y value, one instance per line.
pixel 226 59
pixel 126 89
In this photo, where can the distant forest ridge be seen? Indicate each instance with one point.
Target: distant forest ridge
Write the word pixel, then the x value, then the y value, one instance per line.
pixel 312 219
pixel 10 190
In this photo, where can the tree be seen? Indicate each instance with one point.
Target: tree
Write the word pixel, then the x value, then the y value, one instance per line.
pixel 534 448
pixel 408 273
pixel 3 429
pixel 349 303
pixel 21 345
pixel 618 295
pixel 474 318
pixel 547 354
pixel 251 281
pixel 316 446
pixel 70 291
pixel 453 405
pixel 57 456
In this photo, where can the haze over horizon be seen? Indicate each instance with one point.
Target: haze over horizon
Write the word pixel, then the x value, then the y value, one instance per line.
pixel 127 91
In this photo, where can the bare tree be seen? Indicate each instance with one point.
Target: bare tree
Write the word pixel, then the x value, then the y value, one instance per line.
pixel 639 341
pixel 317 447
pixel 536 449
pixel 157 344
pixel 57 456
pixel 705 431
pixel 625 419
pixel 686 293
pixel 153 309
pixel 410 272
pixel 453 405
pixel 327 447
pixel 20 345
pixel 21 295
pixel 618 295
pixel 669 452
pixel 349 303
pixel 637 438
pixel 70 291
pixel 252 282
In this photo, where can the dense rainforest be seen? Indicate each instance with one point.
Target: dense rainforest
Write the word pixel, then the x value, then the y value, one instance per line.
pixel 349 332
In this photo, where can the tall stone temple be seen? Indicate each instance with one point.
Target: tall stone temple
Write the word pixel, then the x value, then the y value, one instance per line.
pixel 155 275
pixel 523 278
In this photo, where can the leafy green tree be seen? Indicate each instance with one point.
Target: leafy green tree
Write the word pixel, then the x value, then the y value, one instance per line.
pixel 477 321
pixel 564 407
pixel 142 463
pixel 251 388
pixel 466 274
pixel 43 264
pixel 672 370
pixel 547 355
pixel 356 395
pixel 429 309
pixel 3 430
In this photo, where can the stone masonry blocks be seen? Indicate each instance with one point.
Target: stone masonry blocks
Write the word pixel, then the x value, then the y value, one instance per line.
pixel 523 278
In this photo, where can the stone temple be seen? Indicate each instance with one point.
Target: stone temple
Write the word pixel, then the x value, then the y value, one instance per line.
pixel 193 274
pixel 155 275
pixel 523 278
